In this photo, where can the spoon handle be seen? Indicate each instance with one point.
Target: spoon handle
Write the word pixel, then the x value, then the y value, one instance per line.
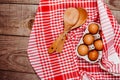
pixel 53 47
pixel 61 43
pixel 57 44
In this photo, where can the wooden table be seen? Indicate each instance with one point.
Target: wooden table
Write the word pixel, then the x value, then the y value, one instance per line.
pixel 16 18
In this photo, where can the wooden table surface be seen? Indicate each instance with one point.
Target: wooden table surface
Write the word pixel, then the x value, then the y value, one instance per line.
pixel 16 18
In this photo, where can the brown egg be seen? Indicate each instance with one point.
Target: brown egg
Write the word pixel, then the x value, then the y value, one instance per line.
pixel 98 44
pixel 83 50
pixel 88 39
pixel 93 55
pixel 93 28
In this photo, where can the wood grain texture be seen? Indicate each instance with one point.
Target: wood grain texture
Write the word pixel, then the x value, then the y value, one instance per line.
pixel 116 15
pixel 13 54
pixel 8 75
pixel 15 19
pixel 113 4
pixel 19 1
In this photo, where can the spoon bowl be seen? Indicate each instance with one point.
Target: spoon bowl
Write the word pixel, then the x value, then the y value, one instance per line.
pixel 82 18
pixel 71 16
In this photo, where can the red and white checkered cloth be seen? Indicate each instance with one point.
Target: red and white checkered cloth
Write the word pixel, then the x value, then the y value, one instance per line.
pixel 66 65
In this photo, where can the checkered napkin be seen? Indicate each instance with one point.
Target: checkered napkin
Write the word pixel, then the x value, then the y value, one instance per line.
pixel 111 38
pixel 66 65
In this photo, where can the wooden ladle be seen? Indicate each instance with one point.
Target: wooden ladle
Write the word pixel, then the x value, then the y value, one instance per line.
pixel 82 18
pixel 71 16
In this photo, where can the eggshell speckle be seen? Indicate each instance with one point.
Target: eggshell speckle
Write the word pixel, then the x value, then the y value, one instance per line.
pixel 93 28
pixel 88 39
pixel 83 50
pixel 93 55
pixel 98 44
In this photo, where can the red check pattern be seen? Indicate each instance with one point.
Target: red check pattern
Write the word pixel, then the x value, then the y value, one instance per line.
pixel 109 28
pixel 66 65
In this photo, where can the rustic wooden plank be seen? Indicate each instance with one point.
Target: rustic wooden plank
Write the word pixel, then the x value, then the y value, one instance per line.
pixel 113 4
pixel 20 1
pixel 117 15
pixel 15 19
pixel 8 75
pixel 13 54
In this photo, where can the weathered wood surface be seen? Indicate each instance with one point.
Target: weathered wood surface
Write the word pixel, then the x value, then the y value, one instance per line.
pixel 117 15
pixel 113 4
pixel 14 19
pixel 19 2
pixel 8 75
pixel 13 54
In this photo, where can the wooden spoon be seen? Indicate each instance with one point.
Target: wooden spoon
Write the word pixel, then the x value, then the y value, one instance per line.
pixel 68 25
pixel 54 45
pixel 82 18
pixel 61 43
pixel 71 16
